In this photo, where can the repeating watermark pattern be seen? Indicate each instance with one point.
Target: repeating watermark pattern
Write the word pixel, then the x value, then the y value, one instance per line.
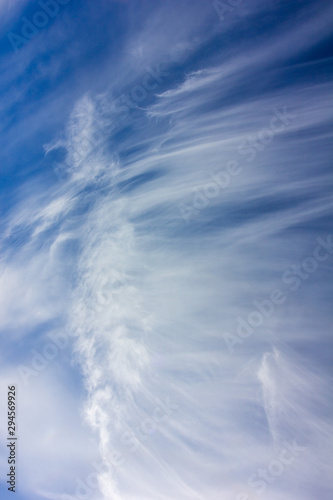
pixel 263 477
pixel 59 341
pixel 224 8
pixel 40 19
pixel 120 109
pixel 254 143
pixel 40 360
pixel 292 278
pixel 132 442
pixel 203 194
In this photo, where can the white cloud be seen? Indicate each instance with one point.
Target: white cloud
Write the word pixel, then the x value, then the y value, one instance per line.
pixel 150 298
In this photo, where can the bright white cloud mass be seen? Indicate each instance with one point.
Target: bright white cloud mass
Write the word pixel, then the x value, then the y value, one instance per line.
pixel 167 249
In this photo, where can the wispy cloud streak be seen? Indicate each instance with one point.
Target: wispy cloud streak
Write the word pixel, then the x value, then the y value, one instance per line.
pixel 105 256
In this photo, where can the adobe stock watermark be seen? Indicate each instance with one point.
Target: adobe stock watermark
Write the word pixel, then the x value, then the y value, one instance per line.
pixel 119 109
pixel 132 442
pixel 59 341
pixel 226 7
pixel 263 477
pixel 40 19
pixel 292 278
pixel 254 144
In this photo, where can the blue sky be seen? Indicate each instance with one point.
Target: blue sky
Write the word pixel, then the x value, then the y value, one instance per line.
pixel 166 248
